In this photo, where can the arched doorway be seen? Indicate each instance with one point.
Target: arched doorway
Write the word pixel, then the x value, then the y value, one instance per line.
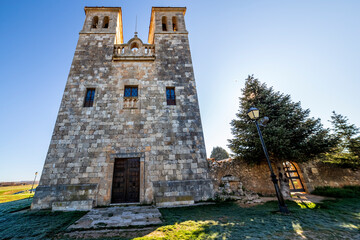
pixel 292 172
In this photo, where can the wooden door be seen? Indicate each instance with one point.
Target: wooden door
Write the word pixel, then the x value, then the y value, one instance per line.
pixel 126 180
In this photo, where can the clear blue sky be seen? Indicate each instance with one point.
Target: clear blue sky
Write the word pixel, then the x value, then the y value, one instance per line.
pixel 309 49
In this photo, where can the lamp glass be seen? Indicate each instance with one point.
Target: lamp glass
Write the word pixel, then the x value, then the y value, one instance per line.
pixel 253 113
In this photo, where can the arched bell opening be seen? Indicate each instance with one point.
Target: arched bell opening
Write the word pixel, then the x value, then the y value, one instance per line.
pixel 106 22
pixel 134 47
pixel 95 22
pixel 174 24
pixel 164 23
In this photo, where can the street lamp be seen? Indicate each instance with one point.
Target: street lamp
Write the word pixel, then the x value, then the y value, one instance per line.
pixel 253 113
pixel 32 187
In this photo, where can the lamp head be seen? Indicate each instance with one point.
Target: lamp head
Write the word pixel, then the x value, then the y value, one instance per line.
pixel 253 113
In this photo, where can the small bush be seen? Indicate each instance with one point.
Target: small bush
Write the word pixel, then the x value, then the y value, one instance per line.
pixel 345 192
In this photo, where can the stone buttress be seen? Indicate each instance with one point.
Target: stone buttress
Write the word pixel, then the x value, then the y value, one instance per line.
pixel 129 120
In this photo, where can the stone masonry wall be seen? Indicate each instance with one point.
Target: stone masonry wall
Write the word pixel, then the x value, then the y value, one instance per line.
pixel 168 139
pixel 256 178
pixel 78 149
pixel 319 174
pixel 184 172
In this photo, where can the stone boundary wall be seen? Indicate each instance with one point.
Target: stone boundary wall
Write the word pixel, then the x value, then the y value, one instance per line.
pixel 256 177
pixel 318 174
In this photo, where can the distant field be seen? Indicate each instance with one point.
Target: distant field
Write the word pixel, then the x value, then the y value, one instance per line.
pixel 7 193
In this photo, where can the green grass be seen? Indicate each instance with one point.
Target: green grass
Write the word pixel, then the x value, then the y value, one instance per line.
pixel 32 224
pixel 337 219
pixel 7 193
pixel 330 220
pixel 345 192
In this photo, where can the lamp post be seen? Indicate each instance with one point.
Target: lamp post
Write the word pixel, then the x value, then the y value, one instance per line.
pixel 253 113
pixel 32 187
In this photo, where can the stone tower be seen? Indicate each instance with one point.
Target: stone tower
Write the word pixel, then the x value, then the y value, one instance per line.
pixel 128 128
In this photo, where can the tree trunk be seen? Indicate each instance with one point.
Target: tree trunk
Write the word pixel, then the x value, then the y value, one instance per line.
pixel 283 181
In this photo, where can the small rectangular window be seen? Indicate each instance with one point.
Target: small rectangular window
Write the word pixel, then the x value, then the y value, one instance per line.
pixel 89 97
pixel 131 91
pixel 170 96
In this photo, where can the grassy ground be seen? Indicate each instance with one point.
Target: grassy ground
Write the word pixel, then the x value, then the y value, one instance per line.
pixel 345 192
pixel 331 220
pixel 15 224
pixel 338 219
pixel 7 193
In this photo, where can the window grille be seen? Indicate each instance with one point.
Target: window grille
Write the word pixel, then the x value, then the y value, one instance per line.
pixel 89 97
pixel 170 96
pixel 131 92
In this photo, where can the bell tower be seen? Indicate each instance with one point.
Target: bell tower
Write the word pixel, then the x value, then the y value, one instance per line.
pixel 104 20
pixel 166 20
pixel 188 178
pixel 129 126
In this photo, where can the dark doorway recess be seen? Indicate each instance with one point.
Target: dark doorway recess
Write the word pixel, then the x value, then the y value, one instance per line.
pixel 126 180
pixel 292 173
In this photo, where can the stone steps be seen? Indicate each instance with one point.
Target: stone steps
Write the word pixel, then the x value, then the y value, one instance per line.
pixel 118 217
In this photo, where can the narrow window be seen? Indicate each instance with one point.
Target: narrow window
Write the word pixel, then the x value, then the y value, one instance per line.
pixel 174 24
pixel 106 22
pixel 164 20
pixel 89 97
pixel 131 91
pixel 95 22
pixel 170 96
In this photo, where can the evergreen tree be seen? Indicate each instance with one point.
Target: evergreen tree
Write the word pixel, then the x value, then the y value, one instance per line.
pixel 347 150
pixel 290 133
pixel 218 153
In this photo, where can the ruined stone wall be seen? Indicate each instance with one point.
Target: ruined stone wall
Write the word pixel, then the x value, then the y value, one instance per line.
pixel 319 174
pixel 256 177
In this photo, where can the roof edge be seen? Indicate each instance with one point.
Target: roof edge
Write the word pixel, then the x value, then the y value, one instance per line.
pixel 183 9
pixel 115 9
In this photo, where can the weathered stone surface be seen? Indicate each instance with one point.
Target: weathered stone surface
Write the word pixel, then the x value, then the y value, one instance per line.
pixel 318 174
pixel 168 139
pixel 174 201
pixel 118 217
pixel 72 205
pixel 253 178
pixel 256 177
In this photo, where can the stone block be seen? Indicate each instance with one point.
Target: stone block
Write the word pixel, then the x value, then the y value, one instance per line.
pixel 84 205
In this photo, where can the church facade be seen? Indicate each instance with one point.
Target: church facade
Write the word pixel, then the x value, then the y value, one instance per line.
pixel 128 128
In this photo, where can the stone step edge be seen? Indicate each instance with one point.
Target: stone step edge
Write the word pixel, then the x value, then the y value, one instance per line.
pixel 82 233
pixel 190 205
pixel 129 227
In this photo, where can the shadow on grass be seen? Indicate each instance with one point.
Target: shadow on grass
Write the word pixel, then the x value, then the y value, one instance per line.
pixel 338 219
pixel 329 220
pixel 32 224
